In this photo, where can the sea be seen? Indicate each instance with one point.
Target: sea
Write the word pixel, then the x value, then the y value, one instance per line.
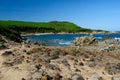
pixel 63 39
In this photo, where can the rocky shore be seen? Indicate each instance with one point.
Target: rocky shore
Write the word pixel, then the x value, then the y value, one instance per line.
pixel 85 59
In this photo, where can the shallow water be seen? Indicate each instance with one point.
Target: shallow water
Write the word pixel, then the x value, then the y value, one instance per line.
pixel 64 39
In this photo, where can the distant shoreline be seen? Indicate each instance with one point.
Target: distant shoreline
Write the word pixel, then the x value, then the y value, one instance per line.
pixel 30 34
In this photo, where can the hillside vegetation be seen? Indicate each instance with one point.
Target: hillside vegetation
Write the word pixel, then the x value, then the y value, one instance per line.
pixel 42 27
pixel 13 29
pixel 9 34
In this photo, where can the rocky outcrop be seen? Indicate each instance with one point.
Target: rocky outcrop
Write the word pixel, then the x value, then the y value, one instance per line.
pixel 10 35
pixel 85 40
pixel 2 46
pixel 87 60
pixel 89 42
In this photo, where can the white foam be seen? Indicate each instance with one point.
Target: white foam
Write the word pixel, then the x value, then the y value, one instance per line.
pixel 65 43
pixel 99 38
pixel 117 38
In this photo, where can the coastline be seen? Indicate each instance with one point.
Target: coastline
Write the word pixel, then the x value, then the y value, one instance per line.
pixel 33 61
pixel 30 34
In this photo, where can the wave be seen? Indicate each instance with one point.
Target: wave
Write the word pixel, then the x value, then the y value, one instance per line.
pixel 117 38
pixel 99 38
pixel 65 43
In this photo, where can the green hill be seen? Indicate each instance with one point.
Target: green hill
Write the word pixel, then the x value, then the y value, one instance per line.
pixel 42 27
pixel 13 29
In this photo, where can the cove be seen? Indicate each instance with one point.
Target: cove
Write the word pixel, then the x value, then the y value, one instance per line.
pixel 64 39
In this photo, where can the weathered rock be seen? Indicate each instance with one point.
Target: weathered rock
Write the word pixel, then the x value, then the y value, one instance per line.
pixel 7 53
pixel 8 64
pixel 49 77
pixel 91 64
pixel 2 46
pixel 112 41
pixel 96 76
pixel 81 64
pixel 23 79
pixel 54 54
pixel 3 39
pixel 77 77
pixel 115 78
pixel 113 68
pixel 67 79
pixel 36 76
pixel 52 67
pixel 30 52
pixel 65 63
pixel 100 78
pixel 85 40
pixel 57 77
pixel 38 66
pixel 18 61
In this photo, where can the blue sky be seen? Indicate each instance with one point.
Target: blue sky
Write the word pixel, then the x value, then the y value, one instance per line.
pixel 93 14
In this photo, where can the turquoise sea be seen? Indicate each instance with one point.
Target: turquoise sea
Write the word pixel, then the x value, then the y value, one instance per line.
pixel 64 39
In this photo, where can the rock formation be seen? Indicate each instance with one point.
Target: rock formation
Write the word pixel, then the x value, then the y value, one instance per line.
pixel 87 59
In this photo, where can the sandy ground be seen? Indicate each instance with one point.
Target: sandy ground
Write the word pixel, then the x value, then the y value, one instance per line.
pixel 13 73
pixel 67 61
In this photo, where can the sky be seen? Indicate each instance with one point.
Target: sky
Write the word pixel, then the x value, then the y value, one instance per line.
pixel 92 14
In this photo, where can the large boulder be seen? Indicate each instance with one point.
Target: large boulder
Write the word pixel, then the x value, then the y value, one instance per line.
pixel 85 40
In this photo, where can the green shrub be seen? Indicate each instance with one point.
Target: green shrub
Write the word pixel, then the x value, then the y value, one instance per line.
pixel 42 27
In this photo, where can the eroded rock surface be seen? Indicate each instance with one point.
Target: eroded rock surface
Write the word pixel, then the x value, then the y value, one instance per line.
pixel 88 59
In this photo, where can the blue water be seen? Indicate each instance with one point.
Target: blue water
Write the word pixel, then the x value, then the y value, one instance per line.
pixel 63 39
